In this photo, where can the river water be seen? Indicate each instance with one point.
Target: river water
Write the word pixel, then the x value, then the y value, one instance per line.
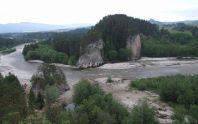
pixel 15 63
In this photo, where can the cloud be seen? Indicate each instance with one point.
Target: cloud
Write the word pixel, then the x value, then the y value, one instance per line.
pixel 90 11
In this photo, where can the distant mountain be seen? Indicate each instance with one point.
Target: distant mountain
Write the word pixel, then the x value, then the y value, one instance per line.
pixel 152 21
pixel 36 27
pixel 187 22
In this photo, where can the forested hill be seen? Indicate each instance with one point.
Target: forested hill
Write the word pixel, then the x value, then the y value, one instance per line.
pixel 116 28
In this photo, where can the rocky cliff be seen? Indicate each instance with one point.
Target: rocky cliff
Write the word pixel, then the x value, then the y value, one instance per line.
pixel 92 56
pixel 134 44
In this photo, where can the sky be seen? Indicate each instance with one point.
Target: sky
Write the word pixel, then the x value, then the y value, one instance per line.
pixel 63 12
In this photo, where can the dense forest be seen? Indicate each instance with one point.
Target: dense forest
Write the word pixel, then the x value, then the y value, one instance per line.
pixel 10 42
pixel 178 40
pixel 114 30
pixel 62 48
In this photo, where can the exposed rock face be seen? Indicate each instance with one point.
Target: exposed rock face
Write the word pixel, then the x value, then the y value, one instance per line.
pixel 92 56
pixel 134 44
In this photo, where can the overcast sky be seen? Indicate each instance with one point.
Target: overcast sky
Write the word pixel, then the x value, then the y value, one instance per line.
pixel 91 11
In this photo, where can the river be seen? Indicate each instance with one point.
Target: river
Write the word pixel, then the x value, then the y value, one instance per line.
pixel 146 67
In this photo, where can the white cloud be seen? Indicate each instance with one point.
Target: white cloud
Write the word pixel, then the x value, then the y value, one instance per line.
pixel 90 11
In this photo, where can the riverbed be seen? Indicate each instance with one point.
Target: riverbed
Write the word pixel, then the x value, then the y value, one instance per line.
pixel 143 68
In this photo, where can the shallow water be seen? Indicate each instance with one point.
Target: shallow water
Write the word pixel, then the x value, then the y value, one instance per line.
pixel 15 63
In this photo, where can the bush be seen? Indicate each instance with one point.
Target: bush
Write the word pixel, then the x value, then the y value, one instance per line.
pixel 124 54
pixel 93 106
pixel 72 60
pixel 83 90
pixel 112 55
pixel 35 120
pixel 179 90
pixel 141 114
pixel 44 53
pixel 51 93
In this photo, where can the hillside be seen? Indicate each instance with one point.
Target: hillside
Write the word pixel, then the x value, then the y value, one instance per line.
pixel 187 22
pixel 111 36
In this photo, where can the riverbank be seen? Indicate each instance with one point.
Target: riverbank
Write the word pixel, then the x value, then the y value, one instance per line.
pixel 149 62
pixel 7 51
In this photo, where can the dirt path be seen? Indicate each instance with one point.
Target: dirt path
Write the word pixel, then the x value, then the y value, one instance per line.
pixel 120 90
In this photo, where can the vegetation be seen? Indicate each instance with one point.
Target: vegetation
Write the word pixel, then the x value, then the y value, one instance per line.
pixel 170 44
pixel 181 91
pixel 141 114
pixel 12 108
pixel 62 48
pixel 45 53
pixel 115 29
pixel 175 40
pixel 47 85
pixel 7 50
pixel 10 42
pixel 92 104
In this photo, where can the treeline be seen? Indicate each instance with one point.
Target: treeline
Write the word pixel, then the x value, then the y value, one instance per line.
pixel 184 27
pixel 13 106
pixel 181 91
pixel 8 42
pixel 170 44
pixel 47 54
pixel 62 48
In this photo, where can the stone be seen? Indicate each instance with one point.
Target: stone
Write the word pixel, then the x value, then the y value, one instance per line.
pixel 134 44
pixel 92 56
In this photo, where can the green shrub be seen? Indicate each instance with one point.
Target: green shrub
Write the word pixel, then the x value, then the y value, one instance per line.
pixel 83 90
pixel 141 114
pixel 72 60
pixel 124 54
pixel 93 106
pixel 112 55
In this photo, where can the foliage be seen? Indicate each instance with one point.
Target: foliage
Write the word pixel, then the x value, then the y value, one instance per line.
pixel 167 44
pixel 48 83
pixel 51 93
pixel 95 106
pixel 83 90
pixel 8 50
pixel 124 54
pixel 45 53
pixel 52 113
pixel 32 119
pixel 115 29
pixel 179 90
pixel 8 42
pixel 12 108
pixel 112 55
pixel 31 101
pixel 141 114
pixel 72 60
